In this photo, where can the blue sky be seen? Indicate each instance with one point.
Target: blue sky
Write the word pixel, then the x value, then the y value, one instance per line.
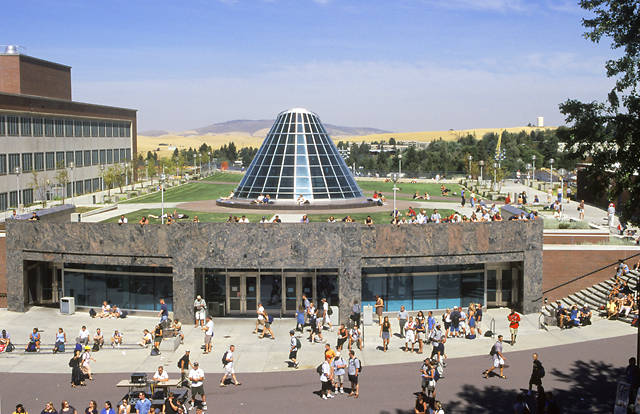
pixel 401 65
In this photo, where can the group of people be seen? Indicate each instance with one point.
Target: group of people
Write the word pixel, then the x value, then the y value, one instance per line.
pixel 621 301
pixel 109 311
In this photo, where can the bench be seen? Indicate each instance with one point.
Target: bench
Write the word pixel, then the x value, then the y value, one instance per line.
pixel 507 211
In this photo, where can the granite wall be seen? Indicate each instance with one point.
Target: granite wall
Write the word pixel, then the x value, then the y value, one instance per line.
pixel 345 246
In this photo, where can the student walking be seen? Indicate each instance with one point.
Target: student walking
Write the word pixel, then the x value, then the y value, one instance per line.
pixel 208 335
pixel 428 378
pixel 196 376
pixel 385 333
pixel 537 373
pixel 227 362
pixel 184 366
pixel 338 365
pixel 498 359
pixel 353 370
pixel 293 348
pixel 514 323
pixel 326 378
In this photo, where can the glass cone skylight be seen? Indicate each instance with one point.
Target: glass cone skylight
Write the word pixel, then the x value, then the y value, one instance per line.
pixel 298 158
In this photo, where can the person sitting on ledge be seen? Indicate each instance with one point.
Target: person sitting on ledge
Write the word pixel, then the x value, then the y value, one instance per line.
pixel 34 217
pixel 331 220
pixel 301 200
pixel 258 200
pixel 105 310
pixel 146 339
pixel 115 312
pixel 276 219
pixel 229 197
pixel 304 219
pixel 267 199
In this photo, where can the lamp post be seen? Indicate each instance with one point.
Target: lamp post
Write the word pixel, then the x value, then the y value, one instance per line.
pixel 73 184
pixel 470 158
pixel 495 175
pixel 18 171
pixel 394 178
pixel 399 167
pixel 209 167
pixel 533 158
pixel 481 164
pixel 195 169
pixel 162 195
pixel 200 162
pixel 126 175
pixel 551 161
pixel 102 175
pixel 528 172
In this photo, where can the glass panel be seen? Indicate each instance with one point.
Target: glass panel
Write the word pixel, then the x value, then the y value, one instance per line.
pixel 491 286
pixel 307 287
pixel 291 294
pixel 372 286
pixel 327 287
pixel 235 295
pixel 507 285
pixel 472 288
pixel 425 292
pixel 398 293
pixel 271 292
pixel 251 293
pixel 448 291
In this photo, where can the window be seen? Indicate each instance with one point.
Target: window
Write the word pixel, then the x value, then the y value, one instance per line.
pixel 103 157
pixel 77 128
pixel 38 158
pixel 86 129
pixel 25 126
pixel 13 199
pixel 87 158
pixel 109 156
pixel 59 127
pixel 2 121
pixel 116 156
pixel 94 128
pixel 37 127
pixel 27 162
pixel 123 155
pixel 3 164
pixel 87 186
pixel 79 159
pixel 48 127
pixel 95 184
pixel 50 160
pixel 12 126
pixel 14 162
pixel 101 129
pixel 69 156
pixel 94 157
pixel 79 187
pixel 128 154
pixel 68 127
pixel 127 130
pixel 4 202
pixel 27 196
pixel 60 159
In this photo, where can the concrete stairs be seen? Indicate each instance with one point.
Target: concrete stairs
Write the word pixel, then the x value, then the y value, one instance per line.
pixel 594 296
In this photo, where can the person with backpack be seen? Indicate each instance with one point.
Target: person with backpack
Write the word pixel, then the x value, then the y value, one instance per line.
pixel 353 371
pixel 34 342
pixel 293 349
pixel 326 377
pixel 61 338
pixel 537 373
pixel 498 359
pixel 227 363
pixel 267 326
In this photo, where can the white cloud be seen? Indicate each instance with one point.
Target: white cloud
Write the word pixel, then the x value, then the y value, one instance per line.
pixel 494 5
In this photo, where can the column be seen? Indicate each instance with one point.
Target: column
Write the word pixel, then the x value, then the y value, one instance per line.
pixel 184 291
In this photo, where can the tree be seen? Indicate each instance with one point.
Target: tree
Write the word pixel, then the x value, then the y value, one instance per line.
pixel 39 185
pixel 62 177
pixel 608 133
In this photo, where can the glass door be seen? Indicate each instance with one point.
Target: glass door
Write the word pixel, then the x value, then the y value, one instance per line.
pixel 291 294
pixel 251 294
pixel 235 294
pixel 499 287
pixel 492 286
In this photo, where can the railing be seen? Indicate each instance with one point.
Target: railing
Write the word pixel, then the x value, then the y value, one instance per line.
pixel 568 282
pixel 492 328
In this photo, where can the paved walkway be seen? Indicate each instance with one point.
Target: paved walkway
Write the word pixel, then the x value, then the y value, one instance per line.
pixel 254 354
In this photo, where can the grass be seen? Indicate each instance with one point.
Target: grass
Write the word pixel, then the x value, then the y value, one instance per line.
pixel 551 223
pixel 187 192
pixel 225 177
pixel 85 209
pixel 368 187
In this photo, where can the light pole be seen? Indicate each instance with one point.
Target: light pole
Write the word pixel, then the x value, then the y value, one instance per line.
pixel 73 184
pixel 146 169
pixel 529 172
pixel 162 195
pixel 470 159
pixel 200 162
pixel 102 174
pixel 209 169
pixel 18 171
pixel 481 164
pixel 394 178
pixel 533 158
pixel 495 175
pixel 399 167
pixel 126 175
pixel 551 161
pixel 195 167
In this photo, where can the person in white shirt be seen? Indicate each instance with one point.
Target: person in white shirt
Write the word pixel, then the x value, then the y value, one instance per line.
pixel 611 213
pixel 261 319
pixel 421 218
pixel 264 220
pixel 161 375
pixel 339 366
pixel 409 334
pixel 325 314
pixel 122 220
pixel 293 349
pixel 243 219
pixel 208 335
pixel 200 307
pixel 355 337
pixel 146 339
pixel 435 217
pixel 196 376
pixel 326 378
pixel 228 367
pixel 105 310
pixel 83 336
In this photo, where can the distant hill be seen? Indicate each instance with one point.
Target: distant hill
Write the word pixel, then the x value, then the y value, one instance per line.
pixel 259 127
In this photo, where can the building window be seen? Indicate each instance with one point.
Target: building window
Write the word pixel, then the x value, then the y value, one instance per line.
pixel 79 158
pixel 123 155
pixel 60 159
pixel 38 158
pixel 109 156
pixel 27 196
pixel 69 157
pixel 95 184
pixel 94 157
pixel 2 121
pixel 4 202
pixel 87 158
pixel 87 186
pixel 127 153
pixel 12 126
pixel 127 130
pixel 68 127
pixel 109 129
pixel 94 128
pixel 13 199
pixel 50 158
pixel 116 156
pixel 27 162
pixel 25 126
pixel 3 164
pixel 37 127
pixel 48 127
pixel 86 129
pixel 14 162
pixel 122 130
pixel 59 127
pixel 79 187
pixel 101 129
pixel 103 157
pixel 77 128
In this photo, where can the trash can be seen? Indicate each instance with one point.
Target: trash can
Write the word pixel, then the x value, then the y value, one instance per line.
pixel 335 316
pixel 94 198
pixel 367 315
pixel 68 305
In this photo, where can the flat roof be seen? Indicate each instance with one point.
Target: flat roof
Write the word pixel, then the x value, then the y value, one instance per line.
pixel 36 59
pixel 65 101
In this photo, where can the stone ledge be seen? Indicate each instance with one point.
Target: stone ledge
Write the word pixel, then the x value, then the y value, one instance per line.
pixel 170 344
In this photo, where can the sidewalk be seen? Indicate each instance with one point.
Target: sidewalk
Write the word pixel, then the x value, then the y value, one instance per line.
pixel 254 354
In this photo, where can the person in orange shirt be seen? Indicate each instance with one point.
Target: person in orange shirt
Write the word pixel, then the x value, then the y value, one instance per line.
pixel 514 323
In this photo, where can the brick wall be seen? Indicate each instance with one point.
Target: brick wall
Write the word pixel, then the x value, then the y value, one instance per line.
pixel 10 74
pixel 42 78
pixel 561 264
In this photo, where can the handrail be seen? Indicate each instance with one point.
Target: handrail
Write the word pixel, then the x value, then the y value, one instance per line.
pixel 584 275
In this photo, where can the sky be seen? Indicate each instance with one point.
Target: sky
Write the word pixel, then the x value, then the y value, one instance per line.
pixel 397 65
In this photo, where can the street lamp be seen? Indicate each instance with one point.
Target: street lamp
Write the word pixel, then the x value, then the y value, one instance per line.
pixel 73 184
pixel 470 158
pixel 162 177
pixel 495 175
pixel 528 171
pixel 399 167
pixel 18 171
pixel 481 164
pixel 533 158
pixel 394 178
pixel 195 168
pixel 102 174
pixel 146 169
pixel 126 175
pixel 551 161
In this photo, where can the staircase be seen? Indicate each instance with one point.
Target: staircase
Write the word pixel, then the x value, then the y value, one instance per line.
pixel 594 296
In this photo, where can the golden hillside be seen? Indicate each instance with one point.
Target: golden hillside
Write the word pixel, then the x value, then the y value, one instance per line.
pixel 163 143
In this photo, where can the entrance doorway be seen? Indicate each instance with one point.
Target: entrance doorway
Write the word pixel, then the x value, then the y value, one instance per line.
pixel 296 285
pixel 501 285
pixel 242 294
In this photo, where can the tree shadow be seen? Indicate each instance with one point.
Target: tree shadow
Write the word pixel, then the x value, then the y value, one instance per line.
pixel 590 387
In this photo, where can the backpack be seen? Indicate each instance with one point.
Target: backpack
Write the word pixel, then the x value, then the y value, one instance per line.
pixel 96 347
pixel 298 343
pixel 155 351
pixel 319 369
pixel 10 347
pixel 436 375
pixel 493 350
pixel 92 313
pixel 59 347
pixel 186 365
pixel 124 314
pixel 71 363
pixel 541 371
pixel 31 347
pixel 360 364
pixel 270 318
pixel 224 359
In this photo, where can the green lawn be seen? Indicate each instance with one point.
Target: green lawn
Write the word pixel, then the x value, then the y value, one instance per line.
pixel 135 216
pixel 188 192
pixel 381 217
pixel 368 187
pixel 225 177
